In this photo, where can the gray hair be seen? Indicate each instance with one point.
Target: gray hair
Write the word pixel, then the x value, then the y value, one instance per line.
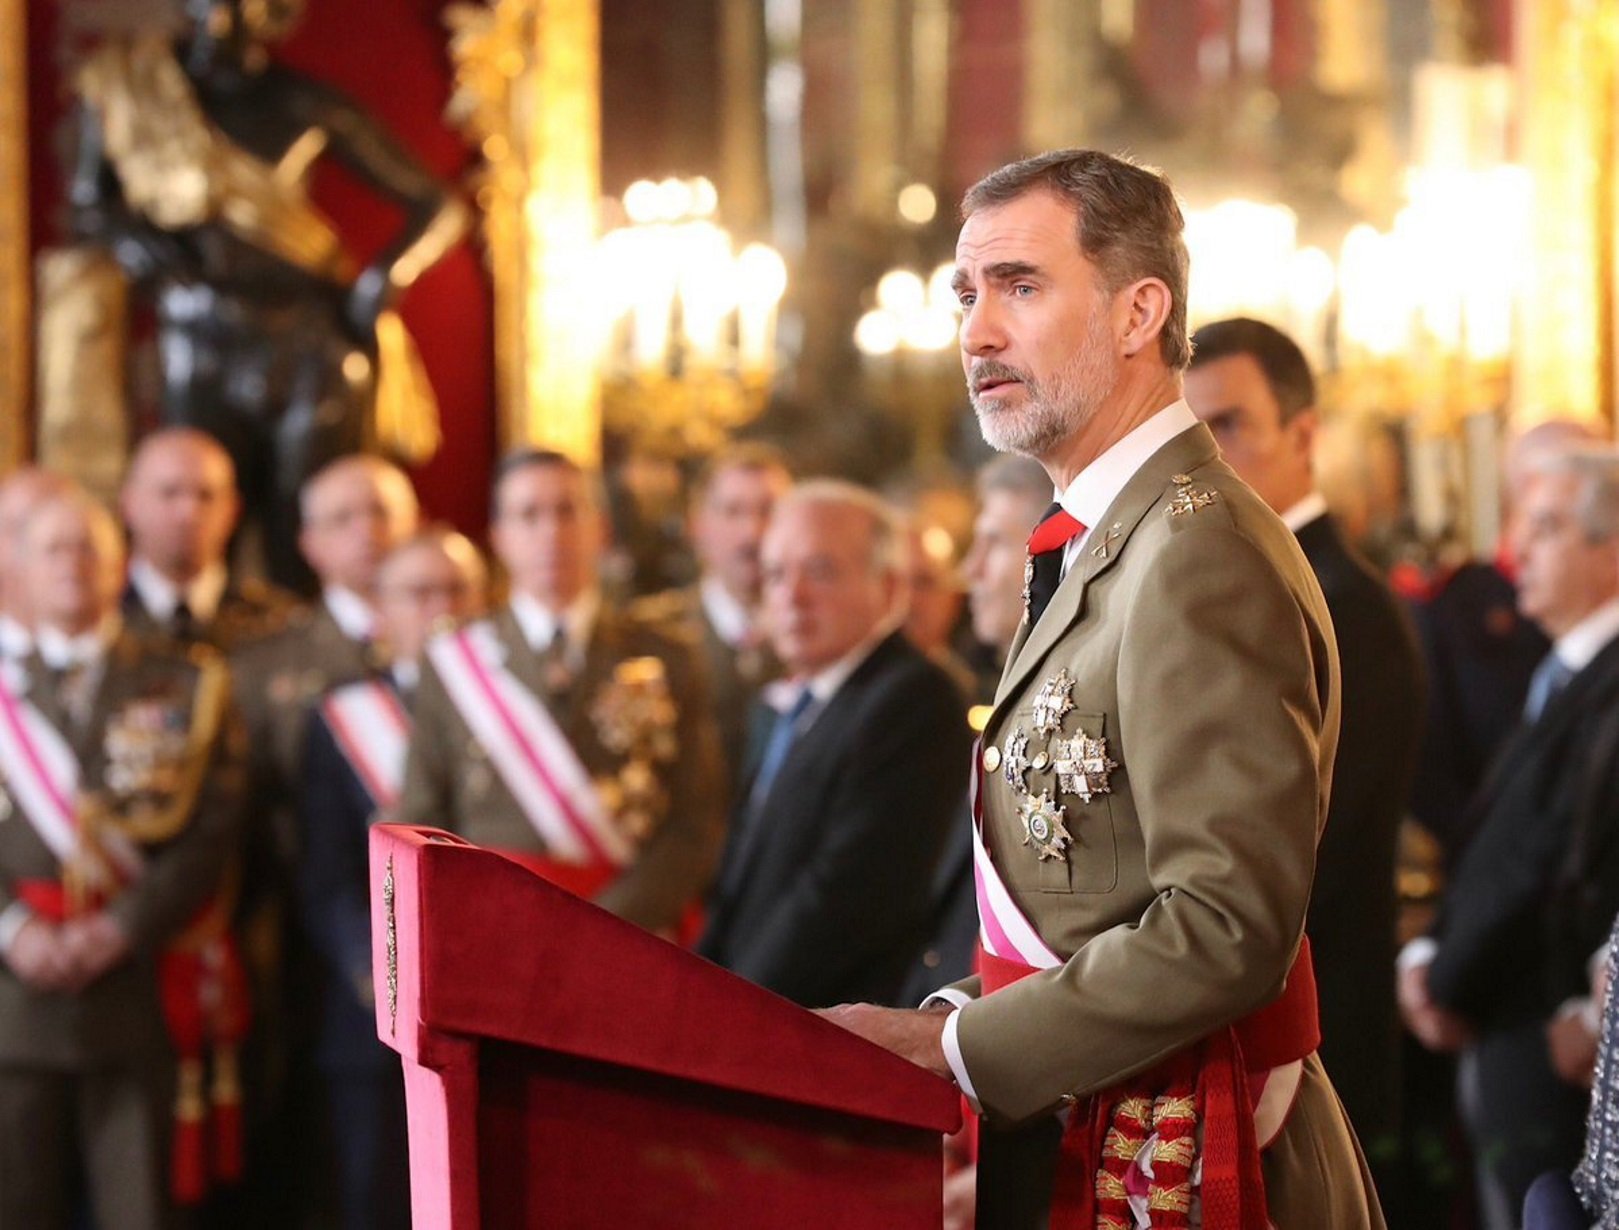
pixel 1018 476
pixel 889 543
pixel 1596 467
pixel 1130 225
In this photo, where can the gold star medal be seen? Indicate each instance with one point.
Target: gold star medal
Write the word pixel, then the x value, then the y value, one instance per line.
pixel 1015 760
pixel 1082 766
pixel 1052 701
pixel 1043 826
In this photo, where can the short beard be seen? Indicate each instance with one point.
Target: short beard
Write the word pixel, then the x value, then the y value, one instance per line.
pixel 1049 415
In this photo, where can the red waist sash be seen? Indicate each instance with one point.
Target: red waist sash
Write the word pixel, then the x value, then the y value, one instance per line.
pixel 202 987
pixel 1205 1085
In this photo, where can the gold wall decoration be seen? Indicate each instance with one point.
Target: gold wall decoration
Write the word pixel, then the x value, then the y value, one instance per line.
pixel 1567 76
pixel 83 349
pixel 15 329
pixel 1058 48
pixel 528 94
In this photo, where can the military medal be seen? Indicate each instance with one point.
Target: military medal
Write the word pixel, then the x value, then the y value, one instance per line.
pixel 1188 499
pixel 1043 825
pixel 1028 585
pixel 1082 766
pixel 1053 700
pixel 1015 761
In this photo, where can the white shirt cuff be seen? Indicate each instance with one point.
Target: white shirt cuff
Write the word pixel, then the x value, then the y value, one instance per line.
pixel 13 919
pixel 1593 967
pixel 1420 951
pixel 947 995
pixel 958 1067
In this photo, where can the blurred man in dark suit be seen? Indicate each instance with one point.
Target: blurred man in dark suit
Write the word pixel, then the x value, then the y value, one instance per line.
pixel 823 891
pixel 354 761
pixel 1252 385
pixel 1537 887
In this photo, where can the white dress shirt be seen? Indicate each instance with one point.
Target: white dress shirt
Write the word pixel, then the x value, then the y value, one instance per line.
pixel 1093 490
pixel 160 595
pixel 731 621
pixel 352 613
pixel 539 625
pixel 1310 508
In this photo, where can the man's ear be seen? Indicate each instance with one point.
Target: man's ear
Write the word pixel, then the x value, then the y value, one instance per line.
pixel 1304 425
pixel 1147 304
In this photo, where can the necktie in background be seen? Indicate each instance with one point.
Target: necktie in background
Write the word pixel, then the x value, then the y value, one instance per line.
pixel 777 746
pixel 1056 529
pixel 1550 678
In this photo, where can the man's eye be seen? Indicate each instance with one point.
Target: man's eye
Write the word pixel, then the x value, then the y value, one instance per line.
pixel 966 301
pixel 1023 290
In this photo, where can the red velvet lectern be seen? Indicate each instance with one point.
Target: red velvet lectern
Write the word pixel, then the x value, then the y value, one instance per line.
pixel 564 1068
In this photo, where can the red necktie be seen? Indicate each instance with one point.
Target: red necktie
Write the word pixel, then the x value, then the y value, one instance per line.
pixel 1044 571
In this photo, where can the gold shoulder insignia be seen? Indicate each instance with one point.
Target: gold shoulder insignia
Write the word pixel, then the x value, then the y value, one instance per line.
pixel 1187 498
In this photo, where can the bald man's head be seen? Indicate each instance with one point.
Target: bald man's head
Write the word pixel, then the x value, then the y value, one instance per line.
pixel 355 511
pixel 180 502
pixel 70 561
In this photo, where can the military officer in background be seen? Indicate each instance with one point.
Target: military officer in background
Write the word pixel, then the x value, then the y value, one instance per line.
pixel 122 781
pixel 180 505
pixel 564 732
pixel 354 512
pixel 719 615
pixel 353 768
pixel 1155 772
pixel 20 492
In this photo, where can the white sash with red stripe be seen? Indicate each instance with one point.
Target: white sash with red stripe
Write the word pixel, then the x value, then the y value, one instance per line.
pixel 42 773
pixel 372 731
pixel 528 749
pixel 1006 932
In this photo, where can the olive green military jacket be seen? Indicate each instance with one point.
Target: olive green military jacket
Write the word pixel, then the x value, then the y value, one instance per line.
pixel 142 702
pixel 450 782
pixel 733 675
pixel 1191 639
pixel 249 611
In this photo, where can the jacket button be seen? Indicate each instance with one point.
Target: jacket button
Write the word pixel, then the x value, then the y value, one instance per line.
pixel 992 758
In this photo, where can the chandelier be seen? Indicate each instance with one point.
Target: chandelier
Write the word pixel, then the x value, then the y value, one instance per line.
pixel 688 321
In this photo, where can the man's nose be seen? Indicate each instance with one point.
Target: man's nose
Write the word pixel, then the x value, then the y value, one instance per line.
pixel 982 330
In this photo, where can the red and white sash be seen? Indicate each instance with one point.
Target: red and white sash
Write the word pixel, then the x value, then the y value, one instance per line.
pixel 1005 932
pixel 42 773
pixel 372 731
pixel 528 749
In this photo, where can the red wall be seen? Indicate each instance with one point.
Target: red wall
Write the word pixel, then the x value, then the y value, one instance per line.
pixel 390 56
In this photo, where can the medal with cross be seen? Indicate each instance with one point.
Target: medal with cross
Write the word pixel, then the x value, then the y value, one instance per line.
pixel 1082 766
pixel 1054 699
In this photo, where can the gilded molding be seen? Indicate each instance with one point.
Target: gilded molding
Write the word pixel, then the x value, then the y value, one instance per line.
pixel 15 296
pixel 528 95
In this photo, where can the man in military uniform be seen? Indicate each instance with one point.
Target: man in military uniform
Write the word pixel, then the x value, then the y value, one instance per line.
pixel 353 512
pixel 561 731
pixel 720 614
pixel 180 505
pixel 353 769
pixel 20 493
pixel 1155 772
pixel 120 799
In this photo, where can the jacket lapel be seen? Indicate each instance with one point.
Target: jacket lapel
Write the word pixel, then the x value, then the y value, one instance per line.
pixel 1103 547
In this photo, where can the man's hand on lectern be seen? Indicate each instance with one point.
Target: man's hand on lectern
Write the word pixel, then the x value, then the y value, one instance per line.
pixel 911 1034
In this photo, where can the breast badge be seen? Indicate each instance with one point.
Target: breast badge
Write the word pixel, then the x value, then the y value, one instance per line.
pixel 1043 826
pixel 635 717
pixel 1015 760
pixel 1082 766
pixel 1054 699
